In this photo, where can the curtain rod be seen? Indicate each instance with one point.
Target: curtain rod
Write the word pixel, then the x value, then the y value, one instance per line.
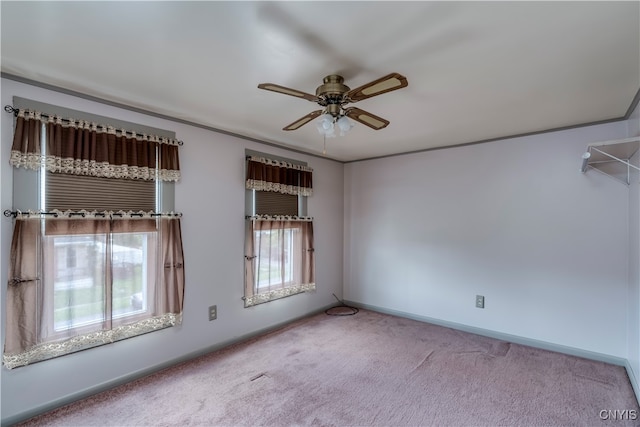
pixel 14 111
pixel 280 163
pixel 8 213
pixel 279 217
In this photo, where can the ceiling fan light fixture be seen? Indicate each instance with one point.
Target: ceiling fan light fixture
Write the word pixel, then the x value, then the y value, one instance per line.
pixel 328 123
pixel 325 125
pixel 344 124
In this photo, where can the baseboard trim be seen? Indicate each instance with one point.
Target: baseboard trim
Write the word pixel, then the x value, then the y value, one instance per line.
pixel 633 380
pixel 544 345
pixel 115 382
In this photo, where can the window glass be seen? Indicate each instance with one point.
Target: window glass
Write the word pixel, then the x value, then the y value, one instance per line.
pixel 275 253
pixel 133 259
pixel 78 280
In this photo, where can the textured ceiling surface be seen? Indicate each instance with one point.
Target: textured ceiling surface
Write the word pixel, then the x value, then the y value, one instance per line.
pixel 476 70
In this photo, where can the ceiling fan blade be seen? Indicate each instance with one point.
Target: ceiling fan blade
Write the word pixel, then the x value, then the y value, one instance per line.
pixel 368 119
pixel 288 91
pixel 303 120
pixel 384 84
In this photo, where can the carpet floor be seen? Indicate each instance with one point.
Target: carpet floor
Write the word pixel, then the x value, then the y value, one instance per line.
pixel 370 369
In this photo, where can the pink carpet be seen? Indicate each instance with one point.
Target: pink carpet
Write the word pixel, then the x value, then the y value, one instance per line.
pixel 369 369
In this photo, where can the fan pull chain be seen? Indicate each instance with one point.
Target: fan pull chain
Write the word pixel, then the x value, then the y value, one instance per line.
pixel 324 150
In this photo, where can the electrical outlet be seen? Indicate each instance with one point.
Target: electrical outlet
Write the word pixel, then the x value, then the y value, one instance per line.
pixel 213 312
pixel 479 301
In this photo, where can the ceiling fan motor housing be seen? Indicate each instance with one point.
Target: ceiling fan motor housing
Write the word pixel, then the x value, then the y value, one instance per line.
pixel 331 93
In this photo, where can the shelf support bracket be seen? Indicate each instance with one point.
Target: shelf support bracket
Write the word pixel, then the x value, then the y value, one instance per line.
pixel 602 157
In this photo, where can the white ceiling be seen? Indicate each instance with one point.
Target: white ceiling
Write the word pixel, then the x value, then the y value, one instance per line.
pixel 476 70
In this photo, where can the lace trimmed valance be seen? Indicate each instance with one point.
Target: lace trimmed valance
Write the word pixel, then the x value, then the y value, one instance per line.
pixel 279 177
pixel 79 147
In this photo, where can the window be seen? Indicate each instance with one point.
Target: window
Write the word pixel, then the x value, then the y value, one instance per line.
pixel 94 260
pixel 275 256
pixel 279 240
pixel 79 286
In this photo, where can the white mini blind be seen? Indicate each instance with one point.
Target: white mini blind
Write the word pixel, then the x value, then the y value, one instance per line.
pixel 75 192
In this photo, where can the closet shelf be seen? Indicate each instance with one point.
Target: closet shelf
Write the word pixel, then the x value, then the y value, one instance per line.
pixel 612 158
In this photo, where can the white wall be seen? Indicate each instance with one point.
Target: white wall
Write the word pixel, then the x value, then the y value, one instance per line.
pixel 513 220
pixel 634 259
pixel 211 197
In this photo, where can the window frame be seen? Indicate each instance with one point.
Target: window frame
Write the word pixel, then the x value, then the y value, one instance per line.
pixel 30 193
pixel 49 298
pixel 296 238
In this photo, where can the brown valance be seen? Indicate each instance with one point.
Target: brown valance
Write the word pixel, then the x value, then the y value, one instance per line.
pixel 79 147
pixel 280 177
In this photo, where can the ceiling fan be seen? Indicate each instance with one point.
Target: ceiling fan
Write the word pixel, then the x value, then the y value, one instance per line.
pixel 333 95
